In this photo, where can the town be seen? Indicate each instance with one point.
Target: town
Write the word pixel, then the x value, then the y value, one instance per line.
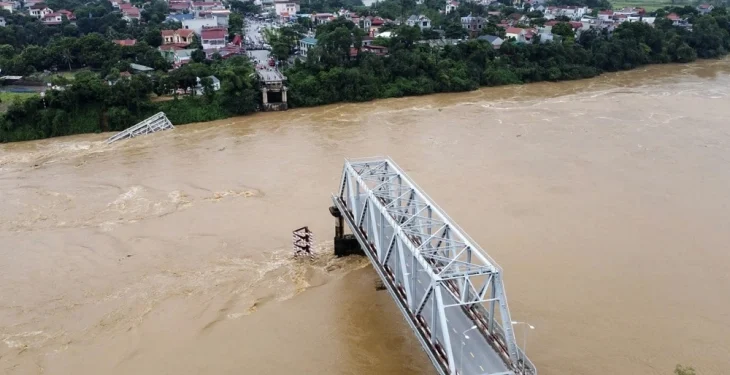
pixel 203 60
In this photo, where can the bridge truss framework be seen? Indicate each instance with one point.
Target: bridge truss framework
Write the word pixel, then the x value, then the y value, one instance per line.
pixel 435 272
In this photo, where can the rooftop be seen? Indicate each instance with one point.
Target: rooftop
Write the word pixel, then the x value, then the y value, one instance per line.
pixel 132 12
pixel 489 38
pixel 140 68
pixel 180 17
pixel 182 32
pixel 125 42
pixel 311 41
pixel 213 34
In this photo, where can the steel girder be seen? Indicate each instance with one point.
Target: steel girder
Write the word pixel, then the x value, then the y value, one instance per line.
pixel 155 123
pixel 413 242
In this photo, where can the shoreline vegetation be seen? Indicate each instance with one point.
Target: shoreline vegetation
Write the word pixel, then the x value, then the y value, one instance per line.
pixel 102 96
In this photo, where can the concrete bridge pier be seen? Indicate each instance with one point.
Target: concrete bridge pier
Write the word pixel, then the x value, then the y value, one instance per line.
pixel 345 244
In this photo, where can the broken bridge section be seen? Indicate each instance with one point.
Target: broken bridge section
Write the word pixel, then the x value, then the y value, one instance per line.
pixel 448 289
pixel 155 123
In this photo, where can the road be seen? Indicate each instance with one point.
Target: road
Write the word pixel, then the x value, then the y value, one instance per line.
pixel 252 32
pixel 472 352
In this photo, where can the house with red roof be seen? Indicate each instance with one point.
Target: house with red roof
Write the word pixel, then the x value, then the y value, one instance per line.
pixel 69 14
pixel 576 25
pixel 179 37
pixel 372 25
pixel 605 15
pixel 213 38
pixel 125 42
pixel 515 33
pixel 55 18
pixel 177 6
pixel 321 18
pixel 131 13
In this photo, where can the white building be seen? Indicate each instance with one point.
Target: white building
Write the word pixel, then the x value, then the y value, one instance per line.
pixel 40 10
pixel 286 8
pixel 421 21
pixel 197 24
pixel 644 19
pixel 451 6
pixel 572 12
pixel 305 44
pixel 216 85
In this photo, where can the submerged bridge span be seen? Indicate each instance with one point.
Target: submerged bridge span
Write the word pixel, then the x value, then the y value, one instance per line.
pixel 449 290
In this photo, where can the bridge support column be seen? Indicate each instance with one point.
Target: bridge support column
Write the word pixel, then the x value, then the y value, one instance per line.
pixel 345 244
pixel 265 96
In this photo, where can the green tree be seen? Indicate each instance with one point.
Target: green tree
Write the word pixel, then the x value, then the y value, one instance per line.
pixel 564 30
pixel 235 23
pixel 153 37
pixel 198 56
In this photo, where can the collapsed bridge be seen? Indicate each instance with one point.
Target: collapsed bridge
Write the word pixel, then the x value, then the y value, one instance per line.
pixel 449 290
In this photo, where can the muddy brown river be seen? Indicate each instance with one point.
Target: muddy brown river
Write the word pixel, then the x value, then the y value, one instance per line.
pixel 606 202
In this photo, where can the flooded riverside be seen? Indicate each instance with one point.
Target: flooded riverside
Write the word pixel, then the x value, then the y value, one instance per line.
pixel 605 201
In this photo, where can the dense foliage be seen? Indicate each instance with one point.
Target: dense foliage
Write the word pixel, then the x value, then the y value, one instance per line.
pixel 93 104
pixel 413 68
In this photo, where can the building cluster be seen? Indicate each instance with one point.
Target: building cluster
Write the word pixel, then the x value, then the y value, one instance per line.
pixel 520 28
pixel 205 20
pixel 37 9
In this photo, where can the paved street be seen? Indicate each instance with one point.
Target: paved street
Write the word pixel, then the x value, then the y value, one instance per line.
pixel 472 352
pixel 262 56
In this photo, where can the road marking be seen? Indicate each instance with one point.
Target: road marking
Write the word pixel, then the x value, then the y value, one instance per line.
pixel 472 354
pixel 454 329
pixel 481 368
pixel 419 280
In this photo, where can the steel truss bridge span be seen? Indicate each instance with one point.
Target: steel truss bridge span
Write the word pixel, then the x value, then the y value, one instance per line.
pixel 449 290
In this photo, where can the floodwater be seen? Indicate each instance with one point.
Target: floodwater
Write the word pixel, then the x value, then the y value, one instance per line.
pixel 605 201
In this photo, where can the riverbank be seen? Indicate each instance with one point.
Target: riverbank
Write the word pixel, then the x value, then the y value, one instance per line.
pixel 409 69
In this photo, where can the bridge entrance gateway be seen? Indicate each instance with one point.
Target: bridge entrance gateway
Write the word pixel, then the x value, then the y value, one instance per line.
pixel 448 289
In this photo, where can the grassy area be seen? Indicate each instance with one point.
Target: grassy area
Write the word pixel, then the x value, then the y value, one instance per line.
pixel 70 74
pixel 9 97
pixel 649 5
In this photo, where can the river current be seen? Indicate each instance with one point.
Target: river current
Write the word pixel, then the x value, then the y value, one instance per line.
pixel 605 201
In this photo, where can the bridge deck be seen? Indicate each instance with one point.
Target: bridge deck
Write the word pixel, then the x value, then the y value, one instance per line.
pixel 439 278
pixel 155 123
pixel 269 76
